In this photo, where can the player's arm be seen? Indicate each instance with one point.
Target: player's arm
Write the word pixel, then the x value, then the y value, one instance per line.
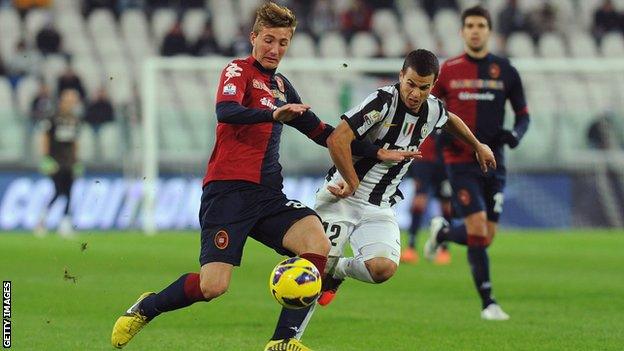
pixel 519 105
pixel 460 130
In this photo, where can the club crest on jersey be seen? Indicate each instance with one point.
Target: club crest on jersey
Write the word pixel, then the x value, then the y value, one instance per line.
pixel 280 84
pixel 221 239
pixel 408 128
pixel 494 71
pixel 229 89
pixel 260 85
pixel 369 119
pixel 424 131
pixel 463 196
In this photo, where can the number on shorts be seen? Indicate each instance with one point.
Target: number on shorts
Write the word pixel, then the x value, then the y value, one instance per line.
pixel 335 229
pixel 499 198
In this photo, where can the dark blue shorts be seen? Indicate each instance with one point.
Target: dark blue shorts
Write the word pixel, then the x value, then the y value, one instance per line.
pixel 430 178
pixel 474 191
pixel 232 210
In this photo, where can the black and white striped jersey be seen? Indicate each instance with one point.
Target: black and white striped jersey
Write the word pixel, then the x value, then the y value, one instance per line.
pixel 384 120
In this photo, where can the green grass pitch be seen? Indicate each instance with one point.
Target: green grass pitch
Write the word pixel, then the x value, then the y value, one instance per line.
pixel 563 290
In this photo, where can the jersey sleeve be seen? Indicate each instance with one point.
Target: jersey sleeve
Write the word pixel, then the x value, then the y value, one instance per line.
pixel 367 114
pixel 232 84
pixel 519 105
pixel 443 114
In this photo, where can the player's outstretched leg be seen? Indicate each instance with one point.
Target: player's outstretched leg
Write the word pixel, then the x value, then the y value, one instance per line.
pixel 329 289
pixel 183 292
pixel 410 255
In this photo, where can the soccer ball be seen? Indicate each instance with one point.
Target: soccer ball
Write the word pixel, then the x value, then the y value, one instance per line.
pixel 295 283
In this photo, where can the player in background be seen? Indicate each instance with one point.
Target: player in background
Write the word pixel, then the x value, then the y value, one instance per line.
pixel 59 147
pixel 242 189
pixel 357 200
pixel 429 178
pixel 476 86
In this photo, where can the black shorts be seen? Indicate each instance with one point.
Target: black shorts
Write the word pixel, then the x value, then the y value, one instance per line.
pixel 232 210
pixel 474 191
pixel 431 178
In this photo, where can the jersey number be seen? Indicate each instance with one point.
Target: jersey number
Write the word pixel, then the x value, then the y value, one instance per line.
pixel 334 230
pixel 295 204
pixel 499 198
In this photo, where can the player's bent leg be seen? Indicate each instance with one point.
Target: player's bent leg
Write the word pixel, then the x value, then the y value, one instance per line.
pixel 437 226
pixel 215 279
pixel 381 269
pixel 306 238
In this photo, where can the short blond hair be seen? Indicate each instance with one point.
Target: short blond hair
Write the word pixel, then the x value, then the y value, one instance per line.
pixel 272 15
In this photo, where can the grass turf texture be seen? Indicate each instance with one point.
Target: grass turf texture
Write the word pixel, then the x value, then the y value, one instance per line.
pixel 564 291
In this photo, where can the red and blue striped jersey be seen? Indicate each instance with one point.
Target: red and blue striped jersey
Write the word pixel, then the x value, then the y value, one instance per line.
pixel 476 90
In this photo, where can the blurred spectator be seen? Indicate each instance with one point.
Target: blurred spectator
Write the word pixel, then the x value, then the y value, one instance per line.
pixel 49 40
pixel 123 5
pixel 174 42
pixel 433 6
pixel 206 44
pixel 42 108
pixel 70 80
pixel 25 61
pixel 543 19
pixel 605 133
pixel 356 18
pixel 606 19
pixel 99 111
pixel 241 47
pixel 322 18
pixel 23 6
pixel 3 70
pixel 511 19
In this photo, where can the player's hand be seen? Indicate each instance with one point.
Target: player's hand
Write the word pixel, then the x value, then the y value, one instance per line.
pixel 508 137
pixel 397 155
pixel 289 112
pixel 485 157
pixel 342 189
pixel 48 165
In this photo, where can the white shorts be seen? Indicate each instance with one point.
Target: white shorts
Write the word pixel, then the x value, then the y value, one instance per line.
pixel 371 230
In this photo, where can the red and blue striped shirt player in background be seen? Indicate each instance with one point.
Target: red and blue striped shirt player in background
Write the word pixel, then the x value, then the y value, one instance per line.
pixel 476 86
pixel 242 190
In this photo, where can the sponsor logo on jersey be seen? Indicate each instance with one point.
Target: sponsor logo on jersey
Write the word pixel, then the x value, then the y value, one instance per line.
pixel 229 89
pixel 477 84
pixel 476 96
pixel 221 239
pixel 261 85
pixel 265 101
pixel 494 71
pixel 278 95
pixel 232 70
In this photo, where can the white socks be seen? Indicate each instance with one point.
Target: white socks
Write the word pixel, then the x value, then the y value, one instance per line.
pixel 353 267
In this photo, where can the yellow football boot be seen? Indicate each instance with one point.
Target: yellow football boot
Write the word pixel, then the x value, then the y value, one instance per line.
pixel 129 324
pixel 291 344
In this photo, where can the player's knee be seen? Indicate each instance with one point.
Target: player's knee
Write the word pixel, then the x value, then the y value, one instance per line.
pixel 213 290
pixel 381 269
pixel 478 241
pixel 318 243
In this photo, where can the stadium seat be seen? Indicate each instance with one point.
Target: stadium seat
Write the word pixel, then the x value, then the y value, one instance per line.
pixel 26 91
pixel 53 66
pixel 193 23
pixel 101 22
pixel 86 147
pixel 302 46
pixel 394 45
pixel 385 21
pixel 10 29
pixel 6 100
pixel 585 13
pixel 446 23
pixel 35 20
pixel 613 45
pixel 225 28
pixel 363 45
pixel 582 45
pixel 162 20
pixel 332 44
pixel 551 46
pixel 520 45
pixel 247 9
pixel 111 150
pixel 91 74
